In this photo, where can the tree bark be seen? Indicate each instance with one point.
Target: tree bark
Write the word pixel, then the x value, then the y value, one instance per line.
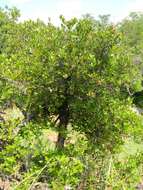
pixel 61 140
pixel 63 116
pixel 63 123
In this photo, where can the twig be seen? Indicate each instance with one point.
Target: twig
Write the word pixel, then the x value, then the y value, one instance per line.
pixel 37 177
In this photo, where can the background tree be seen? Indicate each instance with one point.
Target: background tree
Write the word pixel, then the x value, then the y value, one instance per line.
pixel 132 27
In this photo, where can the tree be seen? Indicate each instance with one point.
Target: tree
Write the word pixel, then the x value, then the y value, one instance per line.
pixel 132 27
pixel 74 72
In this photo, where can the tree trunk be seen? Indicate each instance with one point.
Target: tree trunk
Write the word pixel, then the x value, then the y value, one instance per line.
pixel 61 138
pixel 63 116
pixel 62 127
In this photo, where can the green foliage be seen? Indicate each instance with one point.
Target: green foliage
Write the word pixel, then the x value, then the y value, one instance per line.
pixel 80 65
pixel 76 80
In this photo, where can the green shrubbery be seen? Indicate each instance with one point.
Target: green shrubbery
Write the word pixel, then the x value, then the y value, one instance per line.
pixel 77 81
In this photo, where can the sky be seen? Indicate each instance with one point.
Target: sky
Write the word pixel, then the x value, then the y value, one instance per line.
pixel 43 9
